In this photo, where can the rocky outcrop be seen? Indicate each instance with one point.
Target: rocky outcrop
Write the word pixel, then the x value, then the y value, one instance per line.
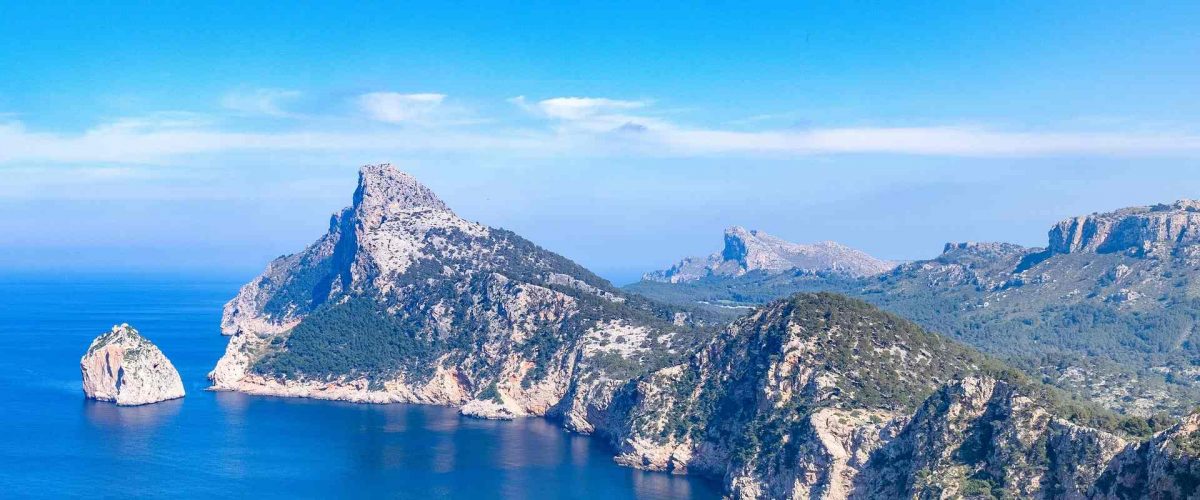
pixel 980 436
pixel 123 367
pixel 820 396
pixel 749 250
pixel 1166 466
pixel 404 301
pixel 1138 230
pixel 789 401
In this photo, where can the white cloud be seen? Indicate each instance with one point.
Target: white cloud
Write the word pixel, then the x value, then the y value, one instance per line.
pixel 932 141
pixel 394 107
pixel 582 108
pixel 595 114
pixel 268 102
pixel 567 127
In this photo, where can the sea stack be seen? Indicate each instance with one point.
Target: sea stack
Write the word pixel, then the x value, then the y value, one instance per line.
pixel 123 367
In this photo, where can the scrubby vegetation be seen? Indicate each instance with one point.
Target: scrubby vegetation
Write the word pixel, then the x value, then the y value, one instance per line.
pixel 1089 323
pixel 364 333
pixel 877 361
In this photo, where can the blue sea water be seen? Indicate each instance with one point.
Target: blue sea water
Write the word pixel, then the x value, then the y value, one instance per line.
pixel 54 443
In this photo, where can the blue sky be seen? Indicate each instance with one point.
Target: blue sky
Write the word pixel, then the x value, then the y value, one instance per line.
pixel 214 137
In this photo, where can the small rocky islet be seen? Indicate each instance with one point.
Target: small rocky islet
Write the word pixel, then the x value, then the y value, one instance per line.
pixel 123 367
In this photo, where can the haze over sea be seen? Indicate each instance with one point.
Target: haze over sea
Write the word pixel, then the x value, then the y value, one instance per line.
pixel 57 444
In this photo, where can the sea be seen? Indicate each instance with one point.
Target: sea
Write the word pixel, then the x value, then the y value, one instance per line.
pixel 54 443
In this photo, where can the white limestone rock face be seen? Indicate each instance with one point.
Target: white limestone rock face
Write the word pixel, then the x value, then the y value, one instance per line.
pixel 1138 230
pixel 123 367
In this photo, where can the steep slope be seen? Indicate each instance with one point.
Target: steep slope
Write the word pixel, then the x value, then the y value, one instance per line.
pixel 983 438
pixel 748 251
pixel 1109 309
pixel 402 300
pixel 822 396
pixel 744 405
pixel 1167 466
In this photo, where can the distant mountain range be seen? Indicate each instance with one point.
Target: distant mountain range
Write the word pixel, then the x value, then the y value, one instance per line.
pixel 815 395
pixel 1108 309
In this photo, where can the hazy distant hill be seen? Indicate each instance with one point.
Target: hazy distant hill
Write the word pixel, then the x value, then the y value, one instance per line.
pixel 1109 308
pixel 750 251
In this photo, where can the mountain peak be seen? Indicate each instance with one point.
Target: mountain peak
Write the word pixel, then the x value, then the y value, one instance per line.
pixel 748 250
pixel 384 190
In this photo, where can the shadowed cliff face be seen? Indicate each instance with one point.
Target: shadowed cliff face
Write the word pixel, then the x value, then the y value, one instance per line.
pixel 1167 466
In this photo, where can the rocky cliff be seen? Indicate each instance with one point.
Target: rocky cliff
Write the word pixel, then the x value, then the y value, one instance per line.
pixel 747 251
pixel 1138 230
pixel 404 301
pixel 123 367
pixel 789 400
pixel 1167 466
pixel 821 396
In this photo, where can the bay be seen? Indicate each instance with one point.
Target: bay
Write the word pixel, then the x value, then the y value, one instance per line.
pixel 57 444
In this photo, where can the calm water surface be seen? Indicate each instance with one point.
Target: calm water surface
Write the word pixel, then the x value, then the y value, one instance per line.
pixel 53 443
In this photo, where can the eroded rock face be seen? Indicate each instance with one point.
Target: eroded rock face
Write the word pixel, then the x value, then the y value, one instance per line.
pixel 790 401
pixel 750 250
pixel 982 436
pixel 1137 229
pixel 404 301
pixel 1166 466
pixel 123 367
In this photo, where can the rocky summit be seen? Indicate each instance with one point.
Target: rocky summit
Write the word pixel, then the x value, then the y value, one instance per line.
pixel 404 301
pixel 747 251
pixel 123 367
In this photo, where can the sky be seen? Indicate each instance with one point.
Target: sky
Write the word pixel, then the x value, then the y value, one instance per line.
pixel 210 138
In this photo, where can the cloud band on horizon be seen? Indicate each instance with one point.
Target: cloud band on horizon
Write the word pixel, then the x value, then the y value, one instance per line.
pixel 561 127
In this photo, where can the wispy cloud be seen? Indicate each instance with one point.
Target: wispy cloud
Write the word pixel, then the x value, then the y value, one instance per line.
pixel 394 107
pixel 562 127
pixel 266 102
pixel 595 114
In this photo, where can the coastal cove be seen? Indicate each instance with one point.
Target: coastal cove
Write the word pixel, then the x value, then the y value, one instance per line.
pixel 210 443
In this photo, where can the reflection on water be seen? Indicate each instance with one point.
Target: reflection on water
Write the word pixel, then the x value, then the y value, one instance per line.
pixel 129 430
pixel 130 420
pixel 659 485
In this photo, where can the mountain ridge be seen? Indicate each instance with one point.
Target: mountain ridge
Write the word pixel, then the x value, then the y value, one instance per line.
pixel 1108 309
